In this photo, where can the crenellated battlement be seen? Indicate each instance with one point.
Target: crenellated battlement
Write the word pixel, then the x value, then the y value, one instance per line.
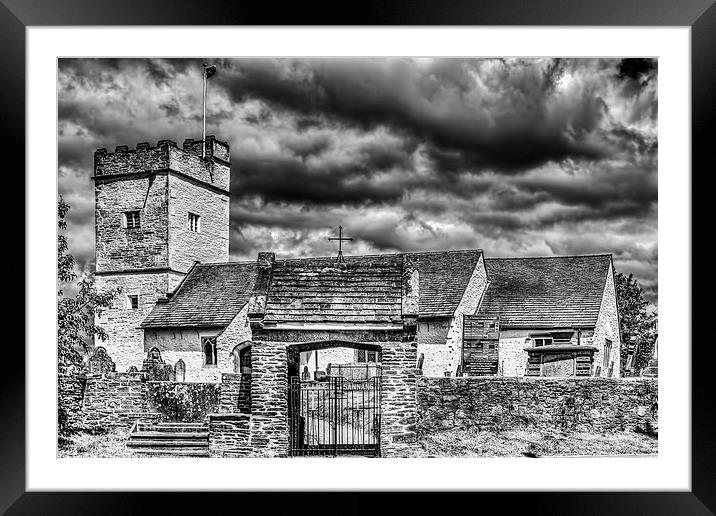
pixel 167 155
pixel 214 149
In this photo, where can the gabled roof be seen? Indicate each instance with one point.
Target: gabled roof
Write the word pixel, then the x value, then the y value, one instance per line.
pixel 210 296
pixel 313 290
pixel 547 292
pixel 444 276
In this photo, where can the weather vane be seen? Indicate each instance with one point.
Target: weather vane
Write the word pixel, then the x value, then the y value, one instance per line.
pixel 340 239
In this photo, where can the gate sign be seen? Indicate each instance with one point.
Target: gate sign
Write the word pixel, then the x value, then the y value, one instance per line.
pixel 339 416
pixel 480 345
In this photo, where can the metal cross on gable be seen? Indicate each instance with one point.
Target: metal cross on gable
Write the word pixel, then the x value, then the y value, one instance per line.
pixel 340 239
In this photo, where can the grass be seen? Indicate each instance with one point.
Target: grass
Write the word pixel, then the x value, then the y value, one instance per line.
pixel 519 443
pixel 110 444
pixel 449 443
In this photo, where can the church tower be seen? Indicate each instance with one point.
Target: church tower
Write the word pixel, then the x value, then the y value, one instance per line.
pixel 158 210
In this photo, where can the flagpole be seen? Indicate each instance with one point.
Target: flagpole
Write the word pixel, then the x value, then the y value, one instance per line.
pixel 203 118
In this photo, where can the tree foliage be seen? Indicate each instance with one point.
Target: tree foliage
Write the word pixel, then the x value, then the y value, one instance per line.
pixel 635 320
pixel 75 314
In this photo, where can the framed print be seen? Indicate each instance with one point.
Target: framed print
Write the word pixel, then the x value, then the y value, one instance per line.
pixel 419 239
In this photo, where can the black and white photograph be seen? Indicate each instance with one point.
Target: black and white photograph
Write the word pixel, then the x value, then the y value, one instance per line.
pixel 420 257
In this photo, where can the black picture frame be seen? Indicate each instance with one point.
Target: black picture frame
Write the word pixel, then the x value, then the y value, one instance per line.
pixel 700 15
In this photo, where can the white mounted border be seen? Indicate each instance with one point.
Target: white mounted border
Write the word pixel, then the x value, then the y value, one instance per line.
pixel 669 471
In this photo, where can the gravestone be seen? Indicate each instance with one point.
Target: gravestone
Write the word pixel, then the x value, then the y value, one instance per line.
pixel 156 368
pixel 179 371
pixel 100 362
pixel 420 362
pixel 652 368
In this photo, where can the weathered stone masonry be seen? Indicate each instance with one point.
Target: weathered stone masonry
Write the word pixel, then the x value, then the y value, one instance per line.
pixel 248 416
pixel 229 435
pixel 398 398
pixel 600 404
pixel 70 394
pixel 269 399
pixel 269 387
pixel 114 400
pixel 121 322
pixel 120 399
pixel 164 184
pixel 235 396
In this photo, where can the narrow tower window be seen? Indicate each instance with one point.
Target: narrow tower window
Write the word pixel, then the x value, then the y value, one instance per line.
pixel 133 302
pixel 131 219
pixel 194 222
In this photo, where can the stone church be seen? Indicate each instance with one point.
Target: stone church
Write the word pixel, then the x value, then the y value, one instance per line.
pixel 162 235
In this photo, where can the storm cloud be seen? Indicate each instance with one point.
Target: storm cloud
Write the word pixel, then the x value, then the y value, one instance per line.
pixel 519 157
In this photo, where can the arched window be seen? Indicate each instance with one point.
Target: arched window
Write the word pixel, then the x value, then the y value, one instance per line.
pixel 241 356
pixel 208 346
pixel 245 360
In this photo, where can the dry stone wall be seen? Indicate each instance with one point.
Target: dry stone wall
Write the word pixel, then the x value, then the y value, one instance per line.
pixel 584 404
pixel 235 396
pixel 70 393
pixel 229 435
pixel 119 399
pixel 114 400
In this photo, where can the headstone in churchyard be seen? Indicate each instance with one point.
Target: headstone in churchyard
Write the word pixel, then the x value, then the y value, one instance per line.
pixel 652 368
pixel 179 371
pixel 100 362
pixel 156 368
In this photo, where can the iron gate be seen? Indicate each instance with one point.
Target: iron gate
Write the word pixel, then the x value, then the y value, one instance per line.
pixel 335 417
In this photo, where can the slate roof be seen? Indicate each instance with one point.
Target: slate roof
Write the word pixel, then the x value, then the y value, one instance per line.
pixel 313 290
pixel 443 277
pixel 210 296
pixel 549 292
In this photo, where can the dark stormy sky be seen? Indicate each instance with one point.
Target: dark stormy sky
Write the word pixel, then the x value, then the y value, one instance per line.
pixel 519 157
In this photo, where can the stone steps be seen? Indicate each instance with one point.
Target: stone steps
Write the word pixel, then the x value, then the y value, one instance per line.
pixel 174 452
pixel 170 439
pixel 168 443
pixel 169 435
